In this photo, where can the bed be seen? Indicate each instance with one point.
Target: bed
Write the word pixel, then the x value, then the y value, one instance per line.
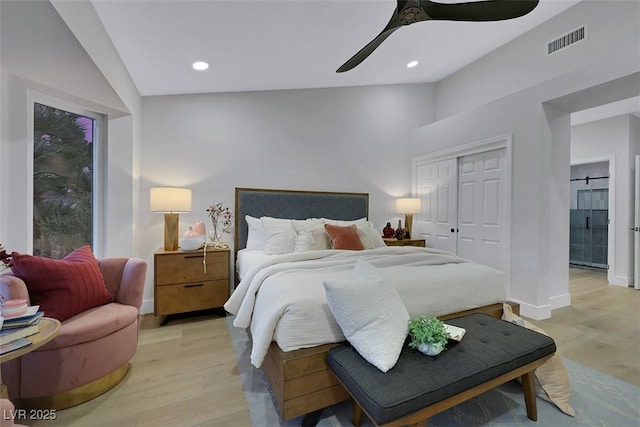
pixel 279 295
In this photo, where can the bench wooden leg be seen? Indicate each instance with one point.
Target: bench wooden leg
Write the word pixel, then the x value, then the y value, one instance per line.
pixel 357 414
pixel 529 389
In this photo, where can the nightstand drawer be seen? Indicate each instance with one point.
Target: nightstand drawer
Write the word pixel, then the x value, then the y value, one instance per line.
pixel 186 267
pixel 187 297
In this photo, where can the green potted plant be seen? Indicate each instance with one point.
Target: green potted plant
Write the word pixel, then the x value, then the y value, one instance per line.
pixel 428 335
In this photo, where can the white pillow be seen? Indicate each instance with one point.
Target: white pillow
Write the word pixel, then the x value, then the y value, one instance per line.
pixel 375 236
pixel 256 239
pixel 372 318
pixel 279 234
pixel 310 235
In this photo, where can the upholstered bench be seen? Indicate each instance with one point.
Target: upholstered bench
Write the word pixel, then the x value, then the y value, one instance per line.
pixel 492 352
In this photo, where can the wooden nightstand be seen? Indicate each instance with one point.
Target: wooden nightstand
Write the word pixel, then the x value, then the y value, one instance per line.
pixel 405 242
pixel 181 284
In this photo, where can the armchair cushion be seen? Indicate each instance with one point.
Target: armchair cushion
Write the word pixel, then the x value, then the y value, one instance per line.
pixel 93 324
pixel 62 288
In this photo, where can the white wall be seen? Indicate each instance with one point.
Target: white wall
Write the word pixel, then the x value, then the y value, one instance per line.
pixel 36 45
pixel 537 114
pixel 343 139
pixel 41 55
pixel 612 26
pixel 613 138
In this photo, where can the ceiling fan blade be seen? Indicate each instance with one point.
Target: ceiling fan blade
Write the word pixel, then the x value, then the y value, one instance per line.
pixel 366 51
pixel 411 11
pixel 489 10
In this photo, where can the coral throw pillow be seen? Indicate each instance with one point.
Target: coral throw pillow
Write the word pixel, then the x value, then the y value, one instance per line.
pixel 344 237
pixel 62 288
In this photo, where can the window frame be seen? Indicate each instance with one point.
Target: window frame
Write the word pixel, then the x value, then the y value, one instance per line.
pixel 99 163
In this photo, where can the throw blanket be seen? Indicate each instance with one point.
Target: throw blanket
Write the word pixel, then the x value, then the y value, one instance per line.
pixel 287 290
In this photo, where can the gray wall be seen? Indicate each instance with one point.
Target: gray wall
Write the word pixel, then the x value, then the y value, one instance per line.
pixel 342 139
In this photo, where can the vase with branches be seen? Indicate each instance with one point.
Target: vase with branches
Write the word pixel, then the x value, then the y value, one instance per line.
pixel 221 221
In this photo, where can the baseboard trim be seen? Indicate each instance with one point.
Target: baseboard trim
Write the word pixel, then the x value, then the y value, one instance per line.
pixel 623 281
pixel 535 312
pixel 147 306
pixel 560 301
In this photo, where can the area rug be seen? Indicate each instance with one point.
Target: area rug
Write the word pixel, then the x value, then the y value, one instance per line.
pixel 599 400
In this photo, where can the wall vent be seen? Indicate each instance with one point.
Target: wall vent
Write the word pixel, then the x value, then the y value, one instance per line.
pixel 566 40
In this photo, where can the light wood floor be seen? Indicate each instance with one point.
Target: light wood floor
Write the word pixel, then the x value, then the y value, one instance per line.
pixel 185 373
pixel 601 328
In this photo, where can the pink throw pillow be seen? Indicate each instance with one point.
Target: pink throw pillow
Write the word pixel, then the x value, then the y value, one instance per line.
pixel 344 237
pixel 62 288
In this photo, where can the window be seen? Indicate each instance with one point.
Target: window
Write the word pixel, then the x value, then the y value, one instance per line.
pixel 63 181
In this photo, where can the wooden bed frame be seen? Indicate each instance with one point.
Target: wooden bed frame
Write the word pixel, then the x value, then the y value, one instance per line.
pixel 301 381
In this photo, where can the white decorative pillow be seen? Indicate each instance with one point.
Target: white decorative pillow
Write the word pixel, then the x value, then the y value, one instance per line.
pixel 279 234
pixel 310 235
pixel 255 236
pixel 552 380
pixel 376 238
pixel 372 318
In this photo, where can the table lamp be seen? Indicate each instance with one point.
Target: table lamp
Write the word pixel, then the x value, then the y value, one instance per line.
pixel 171 201
pixel 408 206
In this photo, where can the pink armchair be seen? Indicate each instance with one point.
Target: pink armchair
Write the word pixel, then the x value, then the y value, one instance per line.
pixel 91 353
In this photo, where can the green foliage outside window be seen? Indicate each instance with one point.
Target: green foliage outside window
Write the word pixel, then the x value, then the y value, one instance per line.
pixel 62 182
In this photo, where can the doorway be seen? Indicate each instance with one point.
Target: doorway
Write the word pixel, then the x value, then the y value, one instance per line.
pixel 589 215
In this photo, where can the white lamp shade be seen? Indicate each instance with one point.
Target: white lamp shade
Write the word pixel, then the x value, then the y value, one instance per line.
pixel 408 205
pixel 170 199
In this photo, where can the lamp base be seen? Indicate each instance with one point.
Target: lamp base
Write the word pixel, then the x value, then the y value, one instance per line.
pixel 408 222
pixel 171 231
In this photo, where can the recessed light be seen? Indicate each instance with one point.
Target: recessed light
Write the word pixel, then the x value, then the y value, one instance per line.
pixel 412 64
pixel 200 65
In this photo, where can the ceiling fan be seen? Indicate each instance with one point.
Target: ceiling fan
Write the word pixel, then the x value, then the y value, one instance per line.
pixel 412 11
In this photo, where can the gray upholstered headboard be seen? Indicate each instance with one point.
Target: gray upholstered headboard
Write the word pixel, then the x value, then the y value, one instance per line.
pixel 295 205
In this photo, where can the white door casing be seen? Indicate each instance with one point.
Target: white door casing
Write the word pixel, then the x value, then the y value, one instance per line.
pixel 636 229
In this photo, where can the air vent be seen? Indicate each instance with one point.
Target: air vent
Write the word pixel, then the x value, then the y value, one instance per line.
pixel 566 40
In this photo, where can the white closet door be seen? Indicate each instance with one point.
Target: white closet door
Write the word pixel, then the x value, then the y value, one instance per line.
pixel 437 185
pixel 481 208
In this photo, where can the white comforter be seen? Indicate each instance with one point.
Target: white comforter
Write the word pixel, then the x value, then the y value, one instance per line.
pixel 282 298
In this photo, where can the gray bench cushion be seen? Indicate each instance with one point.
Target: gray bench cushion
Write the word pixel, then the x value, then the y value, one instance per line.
pixel 490 348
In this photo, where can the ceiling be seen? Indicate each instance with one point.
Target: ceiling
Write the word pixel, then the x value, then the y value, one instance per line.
pixel 256 45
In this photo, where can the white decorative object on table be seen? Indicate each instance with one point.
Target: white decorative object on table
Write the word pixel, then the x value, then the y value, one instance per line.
pixel 190 240
pixel 430 349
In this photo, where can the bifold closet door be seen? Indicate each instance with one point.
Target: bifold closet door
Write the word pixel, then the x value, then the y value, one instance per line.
pixel 437 186
pixel 464 206
pixel 481 208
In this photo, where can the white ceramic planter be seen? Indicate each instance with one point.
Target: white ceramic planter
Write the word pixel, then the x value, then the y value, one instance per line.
pixel 430 350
